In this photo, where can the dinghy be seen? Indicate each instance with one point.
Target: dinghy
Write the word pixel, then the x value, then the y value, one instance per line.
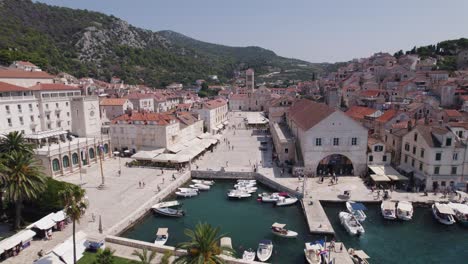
pixel 356 209
pixel 200 186
pixel 238 194
pixel 264 250
pixel 404 210
pixel 284 201
pixel 279 230
pixel 351 224
pixel 169 212
pixel 203 182
pixel 187 192
pixel 162 235
pixel 226 242
pixel 271 198
pixel 248 255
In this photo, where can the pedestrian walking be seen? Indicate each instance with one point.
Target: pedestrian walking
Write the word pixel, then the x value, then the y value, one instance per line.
pixel 139 184
pixel 163 181
pixel 93 217
pixel 144 184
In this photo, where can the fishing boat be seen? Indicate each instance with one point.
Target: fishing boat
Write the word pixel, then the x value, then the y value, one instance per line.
pixel 169 212
pixel 279 230
pixel 443 213
pixel 351 224
pixel 264 250
pixel 200 186
pixel 247 189
pixel 248 255
pixel 203 182
pixel 461 212
pixel 238 185
pixel 388 210
pixel 356 209
pixel 313 253
pixel 271 198
pixel 187 192
pixel 167 204
pixel 162 235
pixel 226 243
pixel 286 200
pixel 238 194
pixel 404 210
pixel 358 256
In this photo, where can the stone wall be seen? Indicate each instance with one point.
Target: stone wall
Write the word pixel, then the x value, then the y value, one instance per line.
pixel 227 175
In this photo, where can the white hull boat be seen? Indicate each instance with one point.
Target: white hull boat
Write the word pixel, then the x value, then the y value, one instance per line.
pixel 246 181
pixel 238 194
pixel 248 255
pixel 247 189
pixel 388 210
pixel 443 213
pixel 461 212
pixel 351 224
pixel 279 230
pixel 199 186
pixel 264 251
pixel 271 198
pixel 169 212
pixel 359 214
pixel 162 235
pixel 404 210
pixel 284 201
pixel 312 253
pixel 187 192
pixel 248 185
pixel 203 182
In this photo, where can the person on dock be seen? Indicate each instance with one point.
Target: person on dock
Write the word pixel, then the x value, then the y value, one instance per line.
pixel 139 184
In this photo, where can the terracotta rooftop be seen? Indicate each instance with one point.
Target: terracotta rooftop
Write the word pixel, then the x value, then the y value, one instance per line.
pixel 428 133
pixel 6 87
pixel 113 101
pixel 307 114
pixel 387 115
pixel 359 112
pixel 212 104
pixel 20 74
pixel 452 113
pixel 139 96
pixel 158 118
pixel 459 124
pixel 238 97
pixel 54 87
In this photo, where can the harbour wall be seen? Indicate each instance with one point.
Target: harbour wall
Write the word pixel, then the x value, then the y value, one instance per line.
pixel 137 244
pixel 143 209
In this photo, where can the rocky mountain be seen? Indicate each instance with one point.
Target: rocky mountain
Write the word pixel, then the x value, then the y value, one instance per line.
pixel 86 43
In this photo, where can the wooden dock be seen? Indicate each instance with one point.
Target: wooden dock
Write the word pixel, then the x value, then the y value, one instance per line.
pixel 339 254
pixel 316 218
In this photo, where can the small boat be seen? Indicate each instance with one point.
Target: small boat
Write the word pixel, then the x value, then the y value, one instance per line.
pixel 167 204
pixel 313 253
pixel 248 255
pixel 271 198
pixel 351 224
pixel 169 212
pixel 203 182
pixel 356 209
pixel 279 230
pixel 461 212
pixel 162 235
pixel 283 201
pixel 264 250
pixel 244 181
pixel 187 192
pixel 240 185
pixel 404 210
pixel 443 213
pixel 358 256
pixel 247 189
pixel 200 186
pixel 226 242
pixel 388 210
pixel 238 194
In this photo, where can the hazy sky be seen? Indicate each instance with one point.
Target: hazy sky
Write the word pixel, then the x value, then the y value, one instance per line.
pixel 317 31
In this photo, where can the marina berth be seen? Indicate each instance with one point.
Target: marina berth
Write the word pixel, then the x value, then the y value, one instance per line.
pixel 279 230
pixel 162 235
pixel 264 250
pixel 405 210
pixel 461 212
pixel 443 213
pixel 313 253
pixel 388 210
pixel 356 209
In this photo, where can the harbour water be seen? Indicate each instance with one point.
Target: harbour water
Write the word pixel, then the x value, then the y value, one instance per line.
pixel 248 221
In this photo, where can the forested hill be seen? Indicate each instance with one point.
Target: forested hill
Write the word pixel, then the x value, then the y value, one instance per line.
pixel 86 43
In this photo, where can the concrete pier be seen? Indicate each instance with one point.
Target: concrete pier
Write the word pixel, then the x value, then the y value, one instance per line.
pixel 339 256
pixel 316 217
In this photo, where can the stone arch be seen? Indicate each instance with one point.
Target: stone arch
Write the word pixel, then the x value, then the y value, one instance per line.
pixel 106 148
pixel 66 161
pixel 92 154
pixel 55 165
pixel 335 163
pixel 75 158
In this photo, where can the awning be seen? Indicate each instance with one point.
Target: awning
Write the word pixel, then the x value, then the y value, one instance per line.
pixel 16 239
pixel 379 178
pixel 147 155
pixel 405 168
pixel 278 225
pixel 358 206
pixel 44 223
pixel 226 242
pixel 175 148
pixel 46 134
pixel 388 205
pixel 388 171
pixel 225 122
pixel 59 216
pixel 397 177
pixel 444 209
pixel 164 157
pixel 162 231
pixel 50 258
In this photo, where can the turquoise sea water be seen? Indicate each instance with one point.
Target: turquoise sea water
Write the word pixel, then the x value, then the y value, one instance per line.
pixel 248 221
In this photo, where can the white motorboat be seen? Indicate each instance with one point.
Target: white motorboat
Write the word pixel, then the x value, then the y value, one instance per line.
pixel 200 186
pixel 187 192
pixel 404 210
pixel 313 253
pixel 249 181
pixel 461 212
pixel 351 224
pixel 162 235
pixel 248 255
pixel 238 194
pixel 388 210
pixel 203 182
pixel 283 201
pixel 443 213
pixel 169 212
pixel 356 209
pixel 247 189
pixel 271 198
pixel 243 185
pixel 264 250
pixel 279 230
pixel 166 204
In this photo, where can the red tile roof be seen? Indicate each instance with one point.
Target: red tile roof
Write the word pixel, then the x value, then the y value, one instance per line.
pixel 25 63
pixel 238 97
pixel 6 87
pixel 113 101
pixel 212 104
pixel 20 74
pixel 307 114
pixel 54 87
pixel 452 113
pixel 159 118
pixel 387 115
pixel 371 93
pixel 139 96
pixel 359 112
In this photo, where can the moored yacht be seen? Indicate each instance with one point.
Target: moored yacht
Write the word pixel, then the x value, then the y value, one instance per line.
pixel 162 235
pixel 200 186
pixel 279 230
pixel 187 192
pixel 351 224
pixel 388 210
pixel 443 213
pixel 356 209
pixel 461 212
pixel 404 210
pixel 238 194
pixel 264 250
pixel 203 182
pixel 313 253
pixel 248 255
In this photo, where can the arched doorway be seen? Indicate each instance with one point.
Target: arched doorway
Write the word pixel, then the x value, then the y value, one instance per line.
pixel 75 159
pixel 65 162
pixel 335 163
pixel 55 165
pixel 91 153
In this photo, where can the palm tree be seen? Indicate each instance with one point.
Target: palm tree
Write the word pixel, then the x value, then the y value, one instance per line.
pixel 23 178
pixel 166 257
pixel 204 246
pixel 105 256
pixel 75 206
pixel 144 257
pixel 14 141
